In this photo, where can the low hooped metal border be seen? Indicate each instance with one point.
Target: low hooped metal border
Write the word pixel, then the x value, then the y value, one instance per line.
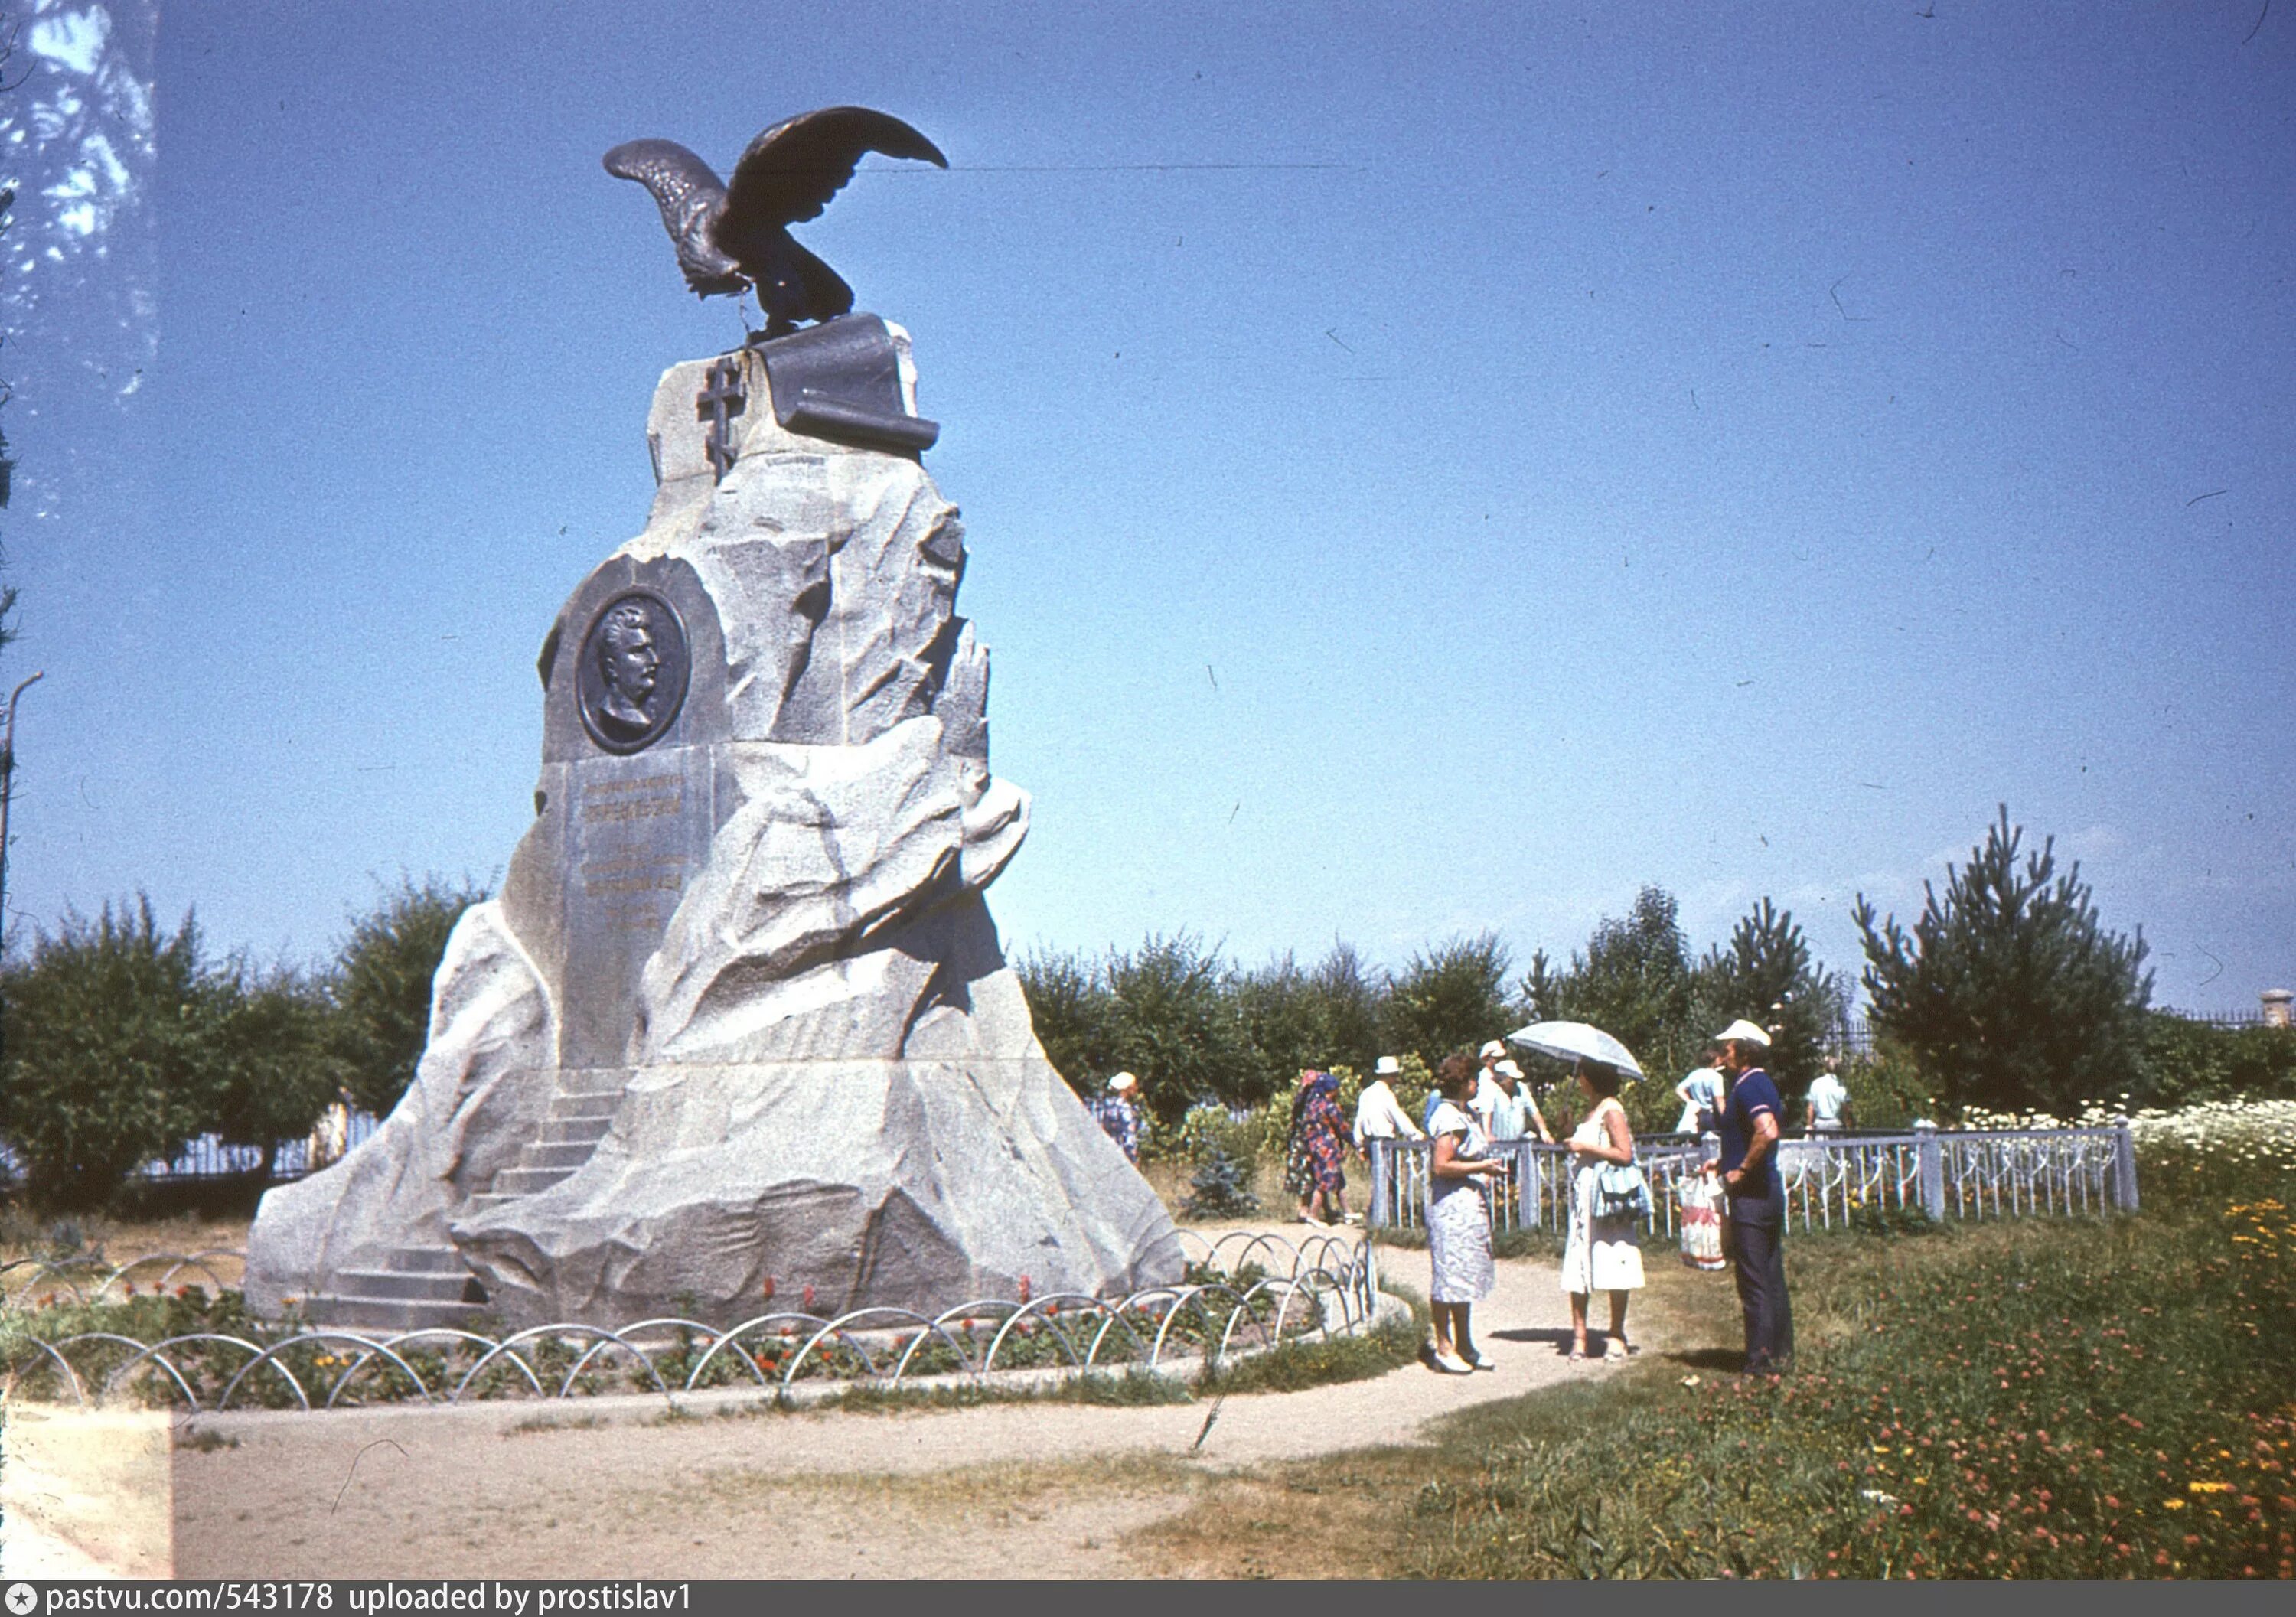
pixel 1261 1289
pixel 59 1270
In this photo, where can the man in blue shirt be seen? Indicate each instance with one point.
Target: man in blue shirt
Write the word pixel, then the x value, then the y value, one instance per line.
pixel 1118 1114
pixel 1755 1222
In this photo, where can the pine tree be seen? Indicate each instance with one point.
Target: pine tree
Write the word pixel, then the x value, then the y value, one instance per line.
pixel 1220 1190
pixel 1634 981
pixel 1767 976
pixel 2009 993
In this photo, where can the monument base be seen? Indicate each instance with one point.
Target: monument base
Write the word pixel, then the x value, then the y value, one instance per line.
pixel 827 1187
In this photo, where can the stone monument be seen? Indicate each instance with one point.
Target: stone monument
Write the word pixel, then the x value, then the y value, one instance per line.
pixel 739 1025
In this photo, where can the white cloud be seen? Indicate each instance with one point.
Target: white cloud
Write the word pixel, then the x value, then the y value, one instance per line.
pixel 72 40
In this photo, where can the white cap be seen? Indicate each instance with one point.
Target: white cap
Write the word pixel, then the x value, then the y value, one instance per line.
pixel 1743 1032
pixel 1493 1050
pixel 1387 1066
pixel 1507 1069
pixel 1123 1081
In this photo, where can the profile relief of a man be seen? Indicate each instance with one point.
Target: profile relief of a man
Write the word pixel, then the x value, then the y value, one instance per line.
pixel 630 665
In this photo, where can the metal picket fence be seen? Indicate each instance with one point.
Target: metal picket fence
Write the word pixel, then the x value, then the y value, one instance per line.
pixel 1829 1180
pixel 209 1157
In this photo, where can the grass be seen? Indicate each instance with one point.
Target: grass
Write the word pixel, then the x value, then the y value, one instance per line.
pixel 2034 1398
pixel 1131 1387
pixel 1295 1365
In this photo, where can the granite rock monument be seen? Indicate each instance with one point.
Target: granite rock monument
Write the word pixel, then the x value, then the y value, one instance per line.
pixel 739 1024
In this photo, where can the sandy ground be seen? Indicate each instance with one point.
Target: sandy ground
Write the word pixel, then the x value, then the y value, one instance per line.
pixel 595 1489
pixel 84 1494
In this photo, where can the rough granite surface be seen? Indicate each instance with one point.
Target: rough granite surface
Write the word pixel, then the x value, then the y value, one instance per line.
pixel 763 941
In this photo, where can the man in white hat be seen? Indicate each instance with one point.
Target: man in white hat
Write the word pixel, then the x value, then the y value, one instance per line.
pixel 1379 1115
pixel 1506 1106
pixel 1119 1115
pixel 1485 1083
pixel 1756 1220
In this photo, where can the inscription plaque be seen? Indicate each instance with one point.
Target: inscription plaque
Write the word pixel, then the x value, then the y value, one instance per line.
pixel 636 831
pixel 631 679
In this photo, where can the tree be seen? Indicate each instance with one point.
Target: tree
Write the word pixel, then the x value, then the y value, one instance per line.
pixel 1284 1019
pixel 271 1072
pixel 1767 976
pixel 1634 982
pixel 1175 1024
pixel 1070 1006
pixel 381 988
pixel 1350 1000
pixel 108 1063
pixel 2009 993
pixel 1453 997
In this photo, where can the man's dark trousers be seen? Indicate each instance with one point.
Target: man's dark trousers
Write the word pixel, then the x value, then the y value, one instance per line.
pixel 1758 1248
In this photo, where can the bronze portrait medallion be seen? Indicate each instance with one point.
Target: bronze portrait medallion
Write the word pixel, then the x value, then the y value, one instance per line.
pixel 634 665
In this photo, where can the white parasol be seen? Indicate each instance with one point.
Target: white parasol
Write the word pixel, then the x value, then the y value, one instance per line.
pixel 1576 1041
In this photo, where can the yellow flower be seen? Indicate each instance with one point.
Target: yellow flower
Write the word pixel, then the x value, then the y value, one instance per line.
pixel 2172 1504
pixel 2206 1488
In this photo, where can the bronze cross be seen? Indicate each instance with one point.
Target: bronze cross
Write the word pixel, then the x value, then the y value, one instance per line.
pixel 717 404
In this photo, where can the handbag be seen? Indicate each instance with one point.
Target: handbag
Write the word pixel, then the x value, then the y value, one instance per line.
pixel 1621 1192
pixel 1702 1223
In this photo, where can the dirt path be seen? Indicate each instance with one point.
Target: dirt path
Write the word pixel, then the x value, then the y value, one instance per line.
pixel 1047 1490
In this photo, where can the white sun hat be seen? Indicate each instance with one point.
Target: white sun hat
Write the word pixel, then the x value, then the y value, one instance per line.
pixel 1745 1032
pixel 1492 1050
pixel 1507 1069
pixel 1387 1066
pixel 1123 1081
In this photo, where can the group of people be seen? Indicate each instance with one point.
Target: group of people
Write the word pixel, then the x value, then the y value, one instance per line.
pixel 1602 1251
pixel 1501 1105
pixel 1477 1106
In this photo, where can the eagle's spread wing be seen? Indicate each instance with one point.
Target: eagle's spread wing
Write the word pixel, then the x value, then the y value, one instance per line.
pixel 691 199
pixel 788 174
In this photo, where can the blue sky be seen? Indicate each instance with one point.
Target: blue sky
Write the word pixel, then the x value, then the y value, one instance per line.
pixel 1426 468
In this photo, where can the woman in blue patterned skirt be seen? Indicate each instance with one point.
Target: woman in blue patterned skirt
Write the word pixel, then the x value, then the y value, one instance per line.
pixel 1458 1220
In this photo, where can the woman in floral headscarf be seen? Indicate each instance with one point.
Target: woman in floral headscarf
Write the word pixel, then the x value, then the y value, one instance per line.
pixel 1315 1157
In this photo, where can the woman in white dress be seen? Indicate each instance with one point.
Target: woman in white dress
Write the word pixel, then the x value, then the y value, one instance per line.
pixel 1600 1254
pixel 1458 1220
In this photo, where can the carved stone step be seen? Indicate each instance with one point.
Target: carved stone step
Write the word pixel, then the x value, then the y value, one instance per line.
pixel 586 1105
pixel 426 1260
pixel 525 1181
pixel 396 1283
pixel 351 1312
pixel 574 1130
pixel 556 1153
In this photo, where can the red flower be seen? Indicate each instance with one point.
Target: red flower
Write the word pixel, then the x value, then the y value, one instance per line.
pixel 807 1296
pixel 768 1288
pixel 1024 1288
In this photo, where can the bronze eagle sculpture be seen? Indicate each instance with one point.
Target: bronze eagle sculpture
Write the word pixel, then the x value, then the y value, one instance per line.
pixel 733 237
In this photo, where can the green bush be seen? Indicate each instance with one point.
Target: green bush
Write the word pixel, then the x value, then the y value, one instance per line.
pixel 2186 1061
pixel 1222 1187
pixel 382 987
pixel 109 1062
pixel 267 1049
pixel 1450 999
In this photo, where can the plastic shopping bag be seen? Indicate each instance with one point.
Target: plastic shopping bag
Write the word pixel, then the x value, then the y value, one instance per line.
pixel 1701 1222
